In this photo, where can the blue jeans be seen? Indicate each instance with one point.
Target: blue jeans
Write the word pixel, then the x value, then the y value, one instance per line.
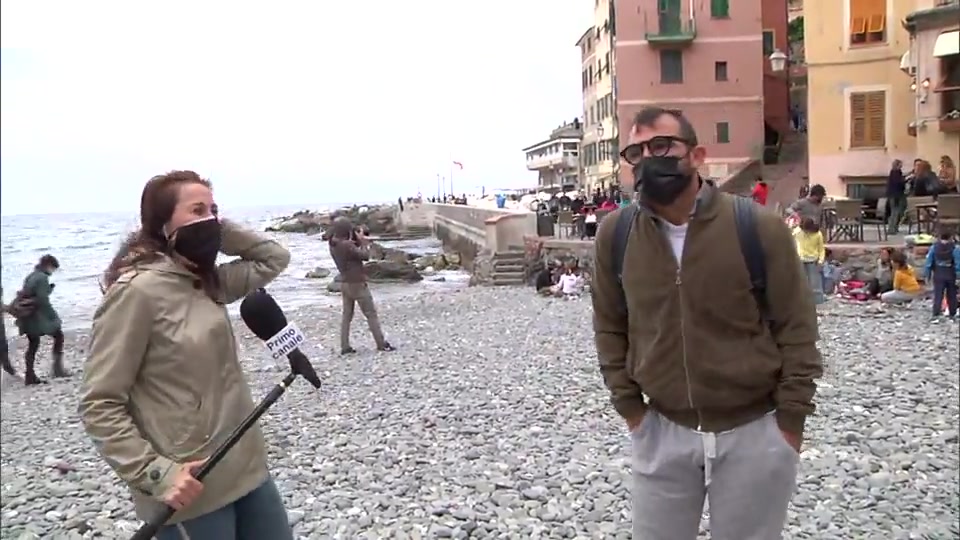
pixel 815 280
pixel 258 515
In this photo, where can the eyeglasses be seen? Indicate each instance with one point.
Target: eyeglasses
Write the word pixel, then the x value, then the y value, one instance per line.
pixel 657 146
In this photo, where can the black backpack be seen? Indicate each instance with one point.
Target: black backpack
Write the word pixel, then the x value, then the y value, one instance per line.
pixel 744 214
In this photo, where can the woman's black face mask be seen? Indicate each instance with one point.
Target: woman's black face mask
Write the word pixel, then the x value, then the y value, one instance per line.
pixel 199 243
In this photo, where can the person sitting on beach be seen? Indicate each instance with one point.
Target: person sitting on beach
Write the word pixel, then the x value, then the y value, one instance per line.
pixel 570 282
pixel 163 385
pixel 906 288
pixel 882 280
pixel 349 248
pixel 41 320
pixel 546 279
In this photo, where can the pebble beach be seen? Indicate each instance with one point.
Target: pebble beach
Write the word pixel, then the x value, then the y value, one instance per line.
pixel 491 421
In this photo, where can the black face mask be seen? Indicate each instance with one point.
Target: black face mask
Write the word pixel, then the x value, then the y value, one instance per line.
pixel 199 243
pixel 662 179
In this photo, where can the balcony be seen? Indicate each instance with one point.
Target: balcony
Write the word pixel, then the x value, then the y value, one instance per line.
pixel 950 125
pixel 552 161
pixel 672 31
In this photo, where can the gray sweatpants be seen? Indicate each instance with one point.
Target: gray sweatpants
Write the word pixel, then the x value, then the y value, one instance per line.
pixel 748 474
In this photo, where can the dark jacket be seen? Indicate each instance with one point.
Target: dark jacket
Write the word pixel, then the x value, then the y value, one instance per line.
pixel 349 257
pixel 896 184
pixel 44 321
pixel 701 352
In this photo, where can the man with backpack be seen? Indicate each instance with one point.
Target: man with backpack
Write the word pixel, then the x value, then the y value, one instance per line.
pixel 706 336
pixel 942 269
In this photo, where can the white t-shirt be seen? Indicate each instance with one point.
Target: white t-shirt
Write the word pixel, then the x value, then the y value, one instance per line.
pixel 570 283
pixel 591 218
pixel 676 235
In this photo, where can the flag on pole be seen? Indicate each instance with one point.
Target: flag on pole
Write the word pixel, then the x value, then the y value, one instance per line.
pixel 458 164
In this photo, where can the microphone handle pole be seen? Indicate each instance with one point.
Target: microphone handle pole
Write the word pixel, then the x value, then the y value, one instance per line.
pixel 150 528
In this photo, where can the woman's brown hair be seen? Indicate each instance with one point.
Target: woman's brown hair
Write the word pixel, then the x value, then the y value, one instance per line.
pixel 898 259
pixel 149 243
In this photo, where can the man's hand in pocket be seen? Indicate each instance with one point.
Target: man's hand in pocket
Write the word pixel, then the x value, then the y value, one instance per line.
pixel 794 440
pixel 634 423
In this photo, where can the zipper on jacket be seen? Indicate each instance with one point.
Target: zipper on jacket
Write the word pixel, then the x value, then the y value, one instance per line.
pixel 683 349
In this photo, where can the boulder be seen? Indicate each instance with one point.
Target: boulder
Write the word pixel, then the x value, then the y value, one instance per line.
pixel 439 261
pixel 376 219
pixel 392 271
pixel 318 273
pixel 304 221
pixel 334 286
pixel 380 252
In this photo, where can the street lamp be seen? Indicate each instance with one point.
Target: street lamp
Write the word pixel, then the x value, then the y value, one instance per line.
pixel 778 60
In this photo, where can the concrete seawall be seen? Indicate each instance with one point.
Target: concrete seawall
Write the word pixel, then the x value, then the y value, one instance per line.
pixel 470 231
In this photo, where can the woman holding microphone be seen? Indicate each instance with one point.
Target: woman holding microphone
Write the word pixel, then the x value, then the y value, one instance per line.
pixel 163 385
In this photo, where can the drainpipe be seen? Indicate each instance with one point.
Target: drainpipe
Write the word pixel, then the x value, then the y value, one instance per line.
pixel 915 63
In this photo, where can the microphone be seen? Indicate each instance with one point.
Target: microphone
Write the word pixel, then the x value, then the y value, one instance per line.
pixel 266 320
pixel 262 314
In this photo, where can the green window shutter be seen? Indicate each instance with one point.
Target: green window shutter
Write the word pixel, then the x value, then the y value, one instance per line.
pixel 723 132
pixel 719 8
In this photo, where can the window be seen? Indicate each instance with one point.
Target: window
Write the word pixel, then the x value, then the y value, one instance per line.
pixel 671 67
pixel 723 132
pixel 719 71
pixel 868 22
pixel 949 73
pixel 868 119
pixel 720 9
pixel 769 42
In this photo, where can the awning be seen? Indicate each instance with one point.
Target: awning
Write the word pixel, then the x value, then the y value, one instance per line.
pixel 906 63
pixel 948 43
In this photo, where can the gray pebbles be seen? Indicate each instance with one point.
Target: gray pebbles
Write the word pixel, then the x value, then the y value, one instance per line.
pixel 491 421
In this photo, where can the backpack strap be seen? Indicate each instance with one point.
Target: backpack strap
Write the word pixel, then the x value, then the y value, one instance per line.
pixel 744 214
pixel 621 233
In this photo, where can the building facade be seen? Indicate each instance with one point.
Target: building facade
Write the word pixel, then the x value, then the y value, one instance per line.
pixel 707 60
pixel 932 66
pixel 600 151
pixel 556 160
pixel 859 106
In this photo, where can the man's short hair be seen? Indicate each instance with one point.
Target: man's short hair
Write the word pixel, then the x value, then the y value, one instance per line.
pixel 818 191
pixel 648 116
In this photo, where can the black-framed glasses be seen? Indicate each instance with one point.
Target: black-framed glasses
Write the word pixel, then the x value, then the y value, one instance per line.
pixel 657 146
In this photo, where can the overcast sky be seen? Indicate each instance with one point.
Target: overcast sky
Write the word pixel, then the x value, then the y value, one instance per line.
pixel 298 102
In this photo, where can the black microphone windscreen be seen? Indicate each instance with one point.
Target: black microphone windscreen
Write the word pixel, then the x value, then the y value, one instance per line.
pixel 262 315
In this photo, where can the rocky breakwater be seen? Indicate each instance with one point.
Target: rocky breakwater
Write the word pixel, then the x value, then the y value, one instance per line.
pixel 378 220
pixel 391 265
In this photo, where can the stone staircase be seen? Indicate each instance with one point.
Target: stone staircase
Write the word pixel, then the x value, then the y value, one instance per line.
pixel 411 232
pixel 509 268
pixel 786 177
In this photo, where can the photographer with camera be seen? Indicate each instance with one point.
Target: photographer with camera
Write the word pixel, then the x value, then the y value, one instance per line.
pixel 350 247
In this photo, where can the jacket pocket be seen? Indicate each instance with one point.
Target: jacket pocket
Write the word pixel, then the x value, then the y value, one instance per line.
pixel 179 431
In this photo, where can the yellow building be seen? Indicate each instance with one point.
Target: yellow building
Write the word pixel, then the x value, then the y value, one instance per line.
pixel 599 151
pixel 860 105
pixel 932 68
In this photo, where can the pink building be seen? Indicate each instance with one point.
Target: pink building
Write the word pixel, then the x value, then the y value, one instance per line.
pixel 708 59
